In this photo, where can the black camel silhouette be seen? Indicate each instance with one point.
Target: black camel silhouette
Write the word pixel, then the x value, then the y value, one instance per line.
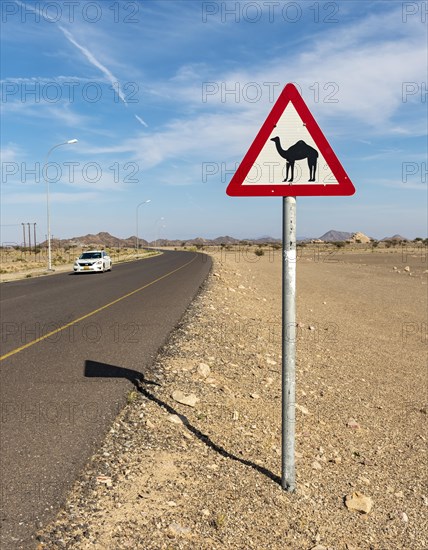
pixel 298 151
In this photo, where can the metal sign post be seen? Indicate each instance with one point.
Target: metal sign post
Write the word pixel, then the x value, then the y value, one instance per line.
pixel 288 470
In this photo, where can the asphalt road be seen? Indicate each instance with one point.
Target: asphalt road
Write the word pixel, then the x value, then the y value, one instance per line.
pixel 70 346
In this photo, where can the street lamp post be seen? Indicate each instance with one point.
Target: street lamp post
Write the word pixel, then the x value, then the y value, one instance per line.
pixel 157 229
pixel 160 227
pixel 136 219
pixel 69 142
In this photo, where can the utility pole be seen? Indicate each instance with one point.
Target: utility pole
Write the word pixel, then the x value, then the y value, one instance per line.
pixel 23 232
pixel 34 227
pixel 29 236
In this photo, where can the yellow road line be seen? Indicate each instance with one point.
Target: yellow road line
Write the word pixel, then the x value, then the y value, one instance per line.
pixel 25 346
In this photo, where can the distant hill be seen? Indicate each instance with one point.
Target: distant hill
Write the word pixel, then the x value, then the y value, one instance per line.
pixel 104 239
pixel 100 239
pixel 333 235
pixel 225 240
pixel 265 239
pixel 396 238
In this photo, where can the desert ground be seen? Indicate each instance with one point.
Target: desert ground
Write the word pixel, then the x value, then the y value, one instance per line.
pixel 193 461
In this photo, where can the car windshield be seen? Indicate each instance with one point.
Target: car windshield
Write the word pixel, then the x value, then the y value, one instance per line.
pixel 90 255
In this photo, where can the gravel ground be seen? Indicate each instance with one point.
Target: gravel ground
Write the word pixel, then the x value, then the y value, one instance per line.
pixel 206 474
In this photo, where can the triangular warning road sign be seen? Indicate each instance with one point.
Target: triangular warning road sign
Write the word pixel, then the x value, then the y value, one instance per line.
pixel 290 156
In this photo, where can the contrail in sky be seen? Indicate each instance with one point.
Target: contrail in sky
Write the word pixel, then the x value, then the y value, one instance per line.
pixel 90 57
pixel 141 120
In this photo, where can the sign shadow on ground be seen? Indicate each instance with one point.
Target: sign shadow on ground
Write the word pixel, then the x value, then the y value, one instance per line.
pixel 103 370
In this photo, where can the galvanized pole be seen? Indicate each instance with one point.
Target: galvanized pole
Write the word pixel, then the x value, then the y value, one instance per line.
pixel 48 217
pixel 288 471
pixel 136 229
pixel 136 221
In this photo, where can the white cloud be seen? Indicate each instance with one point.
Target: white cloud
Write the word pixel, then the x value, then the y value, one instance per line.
pixel 11 153
pixel 364 82
pixel 71 174
pixel 61 112
pixel 403 185
pixel 42 80
pixel 356 71
pixel 205 138
pixel 100 177
pixel 40 198
pixel 382 154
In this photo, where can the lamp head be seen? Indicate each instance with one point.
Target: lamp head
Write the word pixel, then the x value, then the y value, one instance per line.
pixel 71 141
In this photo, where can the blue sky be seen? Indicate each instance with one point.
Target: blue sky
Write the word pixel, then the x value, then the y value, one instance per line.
pixel 166 96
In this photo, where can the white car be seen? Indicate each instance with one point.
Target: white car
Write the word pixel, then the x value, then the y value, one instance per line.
pixel 93 260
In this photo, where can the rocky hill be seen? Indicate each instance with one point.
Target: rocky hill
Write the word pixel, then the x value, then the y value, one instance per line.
pixel 359 237
pixel 101 239
pixel 396 238
pixel 225 240
pixel 105 239
pixel 333 235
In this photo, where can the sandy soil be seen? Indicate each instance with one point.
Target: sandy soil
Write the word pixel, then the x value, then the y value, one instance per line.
pixel 173 476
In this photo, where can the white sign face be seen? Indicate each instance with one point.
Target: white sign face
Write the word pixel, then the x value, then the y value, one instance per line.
pixel 290 156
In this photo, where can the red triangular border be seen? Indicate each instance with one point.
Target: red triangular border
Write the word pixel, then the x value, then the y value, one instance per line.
pixel 236 187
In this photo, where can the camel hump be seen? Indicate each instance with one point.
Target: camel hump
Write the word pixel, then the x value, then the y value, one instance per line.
pixel 302 150
pixel 303 145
